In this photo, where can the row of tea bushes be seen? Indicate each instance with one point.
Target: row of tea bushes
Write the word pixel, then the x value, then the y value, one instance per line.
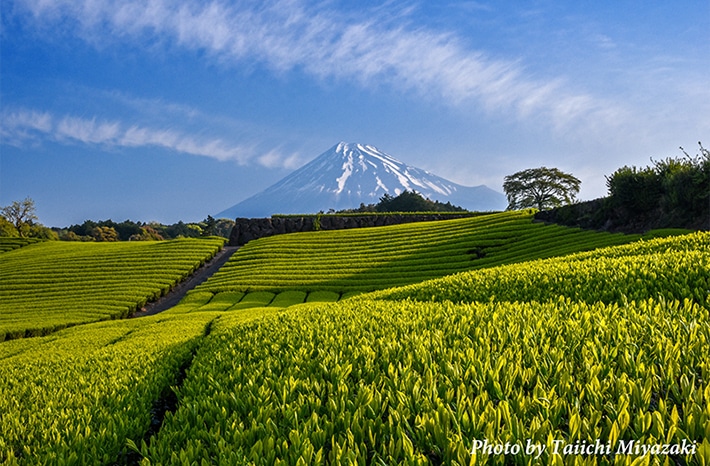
pixel 376 258
pixel 12 243
pixel 228 301
pixel 403 382
pixel 673 268
pixel 76 396
pixel 51 285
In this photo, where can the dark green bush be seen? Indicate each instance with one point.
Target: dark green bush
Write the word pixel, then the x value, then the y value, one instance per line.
pixel 638 191
pixel 676 190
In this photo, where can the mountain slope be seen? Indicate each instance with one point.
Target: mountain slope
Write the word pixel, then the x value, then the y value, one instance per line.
pixel 350 174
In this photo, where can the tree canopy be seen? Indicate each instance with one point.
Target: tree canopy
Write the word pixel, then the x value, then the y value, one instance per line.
pixel 108 230
pixel 541 188
pixel 671 193
pixel 21 214
pixel 407 201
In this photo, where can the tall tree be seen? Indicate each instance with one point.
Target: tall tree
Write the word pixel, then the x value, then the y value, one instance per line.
pixel 541 188
pixel 21 214
pixel 208 226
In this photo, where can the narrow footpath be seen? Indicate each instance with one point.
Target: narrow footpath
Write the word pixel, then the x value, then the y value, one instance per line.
pixel 176 294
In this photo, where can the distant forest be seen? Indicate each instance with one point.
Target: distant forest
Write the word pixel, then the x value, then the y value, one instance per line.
pixel 407 201
pixel 108 230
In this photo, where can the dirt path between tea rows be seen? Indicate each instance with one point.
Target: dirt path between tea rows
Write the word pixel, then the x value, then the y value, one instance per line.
pixel 176 294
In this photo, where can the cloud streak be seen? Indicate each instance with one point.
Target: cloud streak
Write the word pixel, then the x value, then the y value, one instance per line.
pixel 19 127
pixel 287 35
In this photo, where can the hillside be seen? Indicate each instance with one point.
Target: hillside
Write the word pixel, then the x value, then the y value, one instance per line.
pixel 401 377
pixel 640 270
pixel 547 336
pixel 375 258
pixel 11 243
pixel 46 286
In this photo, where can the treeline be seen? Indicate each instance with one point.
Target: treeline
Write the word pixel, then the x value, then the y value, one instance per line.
pixel 19 219
pixel 670 193
pixel 108 230
pixel 407 201
pixel 676 189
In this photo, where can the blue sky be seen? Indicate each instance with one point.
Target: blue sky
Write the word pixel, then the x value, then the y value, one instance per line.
pixel 167 110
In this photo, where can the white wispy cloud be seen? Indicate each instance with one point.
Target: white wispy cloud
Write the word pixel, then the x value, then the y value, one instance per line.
pixel 22 126
pixel 86 131
pixel 371 51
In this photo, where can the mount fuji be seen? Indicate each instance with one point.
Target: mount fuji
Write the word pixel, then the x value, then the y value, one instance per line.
pixel 347 175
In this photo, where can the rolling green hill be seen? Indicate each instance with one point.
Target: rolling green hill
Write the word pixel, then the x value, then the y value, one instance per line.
pixel 607 345
pixel 673 268
pixel 376 258
pixel 503 331
pixel 51 285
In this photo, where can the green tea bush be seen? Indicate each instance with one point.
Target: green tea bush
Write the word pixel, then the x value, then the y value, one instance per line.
pixel 402 382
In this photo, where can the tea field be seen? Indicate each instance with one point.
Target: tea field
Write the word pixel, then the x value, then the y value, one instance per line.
pixel 416 375
pixel 51 285
pixel 9 244
pixel 370 259
pixel 489 340
pixel 75 397
pixel 675 268
pixel 378 382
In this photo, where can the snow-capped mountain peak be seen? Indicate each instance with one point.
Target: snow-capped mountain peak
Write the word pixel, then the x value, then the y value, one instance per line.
pixel 349 174
pixel 357 159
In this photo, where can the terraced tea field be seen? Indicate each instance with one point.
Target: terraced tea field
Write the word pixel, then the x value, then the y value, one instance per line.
pixel 406 376
pixel 10 244
pixel 486 331
pixel 668 269
pixel 200 301
pixel 75 397
pixel 375 258
pixel 51 285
